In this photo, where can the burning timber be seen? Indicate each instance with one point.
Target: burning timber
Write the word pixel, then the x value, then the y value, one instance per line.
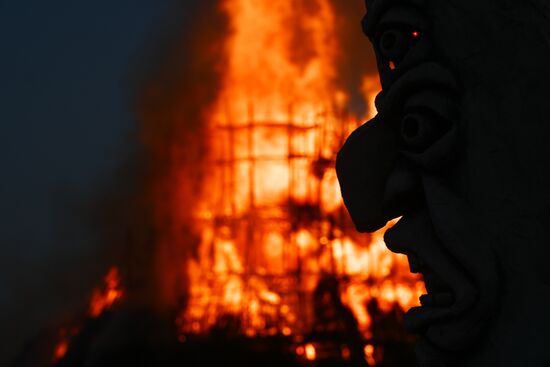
pixel 274 231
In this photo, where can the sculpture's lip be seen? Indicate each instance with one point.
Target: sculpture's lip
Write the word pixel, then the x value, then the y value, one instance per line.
pixel 437 305
pixel 448 306
pixel 451 294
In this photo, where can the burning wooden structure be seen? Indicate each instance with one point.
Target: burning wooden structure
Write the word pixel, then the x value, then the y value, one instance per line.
pixel 272 227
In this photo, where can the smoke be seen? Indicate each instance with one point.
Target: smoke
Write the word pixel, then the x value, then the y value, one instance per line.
pixel 176 87
pixel 356 57
pixel 110 221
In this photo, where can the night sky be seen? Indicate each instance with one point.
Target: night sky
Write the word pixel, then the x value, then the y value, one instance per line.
pixel 66 127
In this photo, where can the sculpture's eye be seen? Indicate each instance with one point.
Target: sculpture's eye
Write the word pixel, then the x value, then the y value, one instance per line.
pixel 394 44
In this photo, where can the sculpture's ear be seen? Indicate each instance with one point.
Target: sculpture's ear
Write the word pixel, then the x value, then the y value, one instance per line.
pixel 363 166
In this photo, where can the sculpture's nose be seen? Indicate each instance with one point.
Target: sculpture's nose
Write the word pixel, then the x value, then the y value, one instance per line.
pixel 363 166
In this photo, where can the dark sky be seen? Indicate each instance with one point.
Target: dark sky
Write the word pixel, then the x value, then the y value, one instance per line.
pixel 66 126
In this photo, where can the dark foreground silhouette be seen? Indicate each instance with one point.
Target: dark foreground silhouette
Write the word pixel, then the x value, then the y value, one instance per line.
pixel 460 149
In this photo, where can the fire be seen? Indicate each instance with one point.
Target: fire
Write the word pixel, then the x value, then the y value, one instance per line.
pixel 369 354
pixel 269 218
pixel 370 88
pixel 103 299
pixel 310 352
pixel 60 350
pixel 281 58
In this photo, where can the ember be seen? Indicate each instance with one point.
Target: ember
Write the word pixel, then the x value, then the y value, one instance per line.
pixel 369 354
pixel 311 353
pixel 104 299
pixel 60 350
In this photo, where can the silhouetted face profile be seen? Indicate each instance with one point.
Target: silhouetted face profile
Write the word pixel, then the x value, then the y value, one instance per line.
pixel 460 149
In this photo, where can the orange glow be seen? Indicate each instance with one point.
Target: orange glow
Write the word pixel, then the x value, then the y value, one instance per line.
pixel 370 88
pixel 311 353
pixel 369 354
pixel 269 219
pixel 103 299
pixel 346 353
pixel 62 347
pixel 60 350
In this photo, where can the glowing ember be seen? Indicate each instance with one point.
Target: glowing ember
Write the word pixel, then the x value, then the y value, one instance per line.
pixel 311 353
pixel 346 353
pixel 104 299
pixel 369 354
pixel 60 350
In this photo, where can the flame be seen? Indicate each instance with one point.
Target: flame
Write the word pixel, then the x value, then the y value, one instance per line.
pixel 369 354
pixel 103 299
pixel 269 215
pixel 60 350
pixel 310 352
pixel 370 88
pixel 281 58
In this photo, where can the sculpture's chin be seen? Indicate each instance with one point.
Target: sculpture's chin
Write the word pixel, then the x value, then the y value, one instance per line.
pixel 436 305
pixel 450 318
pixel 439 308
pixel 446 310
pixel 461 290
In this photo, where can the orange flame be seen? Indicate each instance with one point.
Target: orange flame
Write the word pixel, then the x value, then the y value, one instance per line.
pixel 60 350
pixel 270 216
pixel 369 354
pixel 103 299
pixel 311 352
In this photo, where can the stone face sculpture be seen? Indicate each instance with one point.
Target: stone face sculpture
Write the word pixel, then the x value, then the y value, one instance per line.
pixel 460 150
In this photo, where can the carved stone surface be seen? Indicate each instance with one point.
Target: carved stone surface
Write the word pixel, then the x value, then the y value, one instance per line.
pixel 460 149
